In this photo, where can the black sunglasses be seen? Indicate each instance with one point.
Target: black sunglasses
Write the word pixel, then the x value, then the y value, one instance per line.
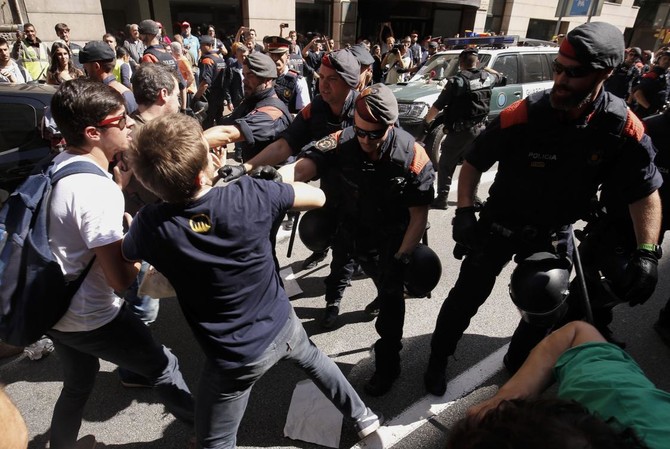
pixel 372 135
pixel 109 123
pixel 571 72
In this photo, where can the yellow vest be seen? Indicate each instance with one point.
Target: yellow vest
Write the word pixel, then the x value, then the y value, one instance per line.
pixel 117 70
pixel 35 61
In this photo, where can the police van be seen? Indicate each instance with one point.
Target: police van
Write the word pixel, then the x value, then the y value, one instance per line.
pixel 525 64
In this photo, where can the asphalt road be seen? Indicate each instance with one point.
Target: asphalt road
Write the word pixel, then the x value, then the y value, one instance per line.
pixel 132 418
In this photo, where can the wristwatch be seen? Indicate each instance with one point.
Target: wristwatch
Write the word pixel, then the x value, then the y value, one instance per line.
pixel 652 248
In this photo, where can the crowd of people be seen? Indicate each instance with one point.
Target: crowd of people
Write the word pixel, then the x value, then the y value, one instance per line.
pixel 299 110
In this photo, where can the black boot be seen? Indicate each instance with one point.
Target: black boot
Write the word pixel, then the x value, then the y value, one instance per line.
pixel 440 201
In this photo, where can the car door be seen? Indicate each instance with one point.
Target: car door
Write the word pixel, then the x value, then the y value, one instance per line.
pixel 509 65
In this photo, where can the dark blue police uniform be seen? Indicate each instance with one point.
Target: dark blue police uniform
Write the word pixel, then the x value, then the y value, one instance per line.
pixel 466 98
pixel 213 72
pixel 374 215
pixel 548 171
pixel 261 118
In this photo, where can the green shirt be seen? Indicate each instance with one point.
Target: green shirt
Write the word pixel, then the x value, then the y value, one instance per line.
pixel 608 382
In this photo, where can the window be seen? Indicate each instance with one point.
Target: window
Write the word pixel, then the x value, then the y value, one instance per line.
pixel 508 66
pixel 533 68
pixel 18 125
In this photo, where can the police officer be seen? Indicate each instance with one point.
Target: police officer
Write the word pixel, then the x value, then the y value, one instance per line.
pixel 291 87
pixel 465 105
pixel 626 76
pixel 261 117
pixel 332 110
pixel 155 53
pixel 651 94
pixel 553 149
pixel 364 57
pixel 214 82
pixel 386 180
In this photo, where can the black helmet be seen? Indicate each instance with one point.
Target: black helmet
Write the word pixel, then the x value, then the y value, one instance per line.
pixel 539 288
pixel 316 228
pixel 423 271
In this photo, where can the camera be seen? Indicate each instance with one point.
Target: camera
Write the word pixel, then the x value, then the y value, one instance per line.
pixel 283 25
pixel 397 47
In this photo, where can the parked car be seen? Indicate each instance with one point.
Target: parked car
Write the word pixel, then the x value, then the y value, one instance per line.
pixel 526 68
pixel 22 144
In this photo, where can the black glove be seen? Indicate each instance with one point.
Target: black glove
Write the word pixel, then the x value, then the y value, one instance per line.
pixel 266 172
pixel 641 276
pixel 231 172
pixel 465 227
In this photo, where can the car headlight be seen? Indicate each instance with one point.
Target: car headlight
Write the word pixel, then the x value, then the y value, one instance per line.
pixel 407 110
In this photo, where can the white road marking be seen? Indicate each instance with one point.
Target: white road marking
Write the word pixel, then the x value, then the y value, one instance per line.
pixel 418 414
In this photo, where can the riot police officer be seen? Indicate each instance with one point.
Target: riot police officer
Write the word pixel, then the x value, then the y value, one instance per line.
pixel 553 149
pixel 386 181
pixel 214 82
pixel 651 94
pixel 290 85
pixel 465 106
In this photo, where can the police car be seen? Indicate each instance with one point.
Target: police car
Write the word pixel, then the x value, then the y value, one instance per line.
pixel 525 63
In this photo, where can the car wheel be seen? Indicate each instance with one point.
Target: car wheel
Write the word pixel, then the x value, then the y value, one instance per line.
pixel 433 143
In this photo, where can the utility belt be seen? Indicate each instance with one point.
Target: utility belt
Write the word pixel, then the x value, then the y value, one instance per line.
pixel 464 125
pixel 530 237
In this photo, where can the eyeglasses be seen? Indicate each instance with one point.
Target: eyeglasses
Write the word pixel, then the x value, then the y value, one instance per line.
pixel 109 122
pixel 372 135
pixel 571 72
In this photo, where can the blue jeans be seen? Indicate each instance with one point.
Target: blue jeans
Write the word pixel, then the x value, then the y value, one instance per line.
pixel 127 342
pixel 223 394
pixel 145 307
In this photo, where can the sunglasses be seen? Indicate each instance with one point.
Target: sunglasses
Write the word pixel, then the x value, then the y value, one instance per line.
pixel 571 72
pixel 372 135
pixel 109 123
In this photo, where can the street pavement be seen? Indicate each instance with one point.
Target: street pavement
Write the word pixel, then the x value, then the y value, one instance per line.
pixel 133 418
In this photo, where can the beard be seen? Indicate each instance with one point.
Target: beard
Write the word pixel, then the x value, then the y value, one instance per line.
pixel 574 100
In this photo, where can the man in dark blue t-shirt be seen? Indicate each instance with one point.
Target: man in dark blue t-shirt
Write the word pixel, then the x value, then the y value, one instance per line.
pixel 212 244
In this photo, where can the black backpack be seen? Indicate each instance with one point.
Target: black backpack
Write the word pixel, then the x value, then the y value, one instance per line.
pixel 34 294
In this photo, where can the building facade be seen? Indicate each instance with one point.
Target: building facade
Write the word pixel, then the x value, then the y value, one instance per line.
pixel 344 20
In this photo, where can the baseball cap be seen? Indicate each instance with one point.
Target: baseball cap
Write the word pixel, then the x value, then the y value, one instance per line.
pixel 597 45
pixel 148 26
pixel 433 44
pixel 377 104
pixel 470 50
pixel 345 64
pixel 95 51
pixel 261 65
pixel 185 24
pixel 206 40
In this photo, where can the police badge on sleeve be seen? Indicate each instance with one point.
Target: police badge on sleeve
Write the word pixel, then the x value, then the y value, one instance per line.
pixel 326 144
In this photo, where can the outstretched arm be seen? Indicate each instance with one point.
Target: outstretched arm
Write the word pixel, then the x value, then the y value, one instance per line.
pixel 535 375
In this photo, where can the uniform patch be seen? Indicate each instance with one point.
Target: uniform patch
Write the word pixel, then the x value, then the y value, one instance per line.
pixel 287 93
pixel 200 223
pixel 326 144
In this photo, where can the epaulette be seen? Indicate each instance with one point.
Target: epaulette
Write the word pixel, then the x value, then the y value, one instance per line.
pixel 633 127
pixel 419 160
pixel 514 114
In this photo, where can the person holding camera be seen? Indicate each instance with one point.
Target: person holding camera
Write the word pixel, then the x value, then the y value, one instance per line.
pixel 398 61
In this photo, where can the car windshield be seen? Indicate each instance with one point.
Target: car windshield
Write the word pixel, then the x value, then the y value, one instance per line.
pixel 443 66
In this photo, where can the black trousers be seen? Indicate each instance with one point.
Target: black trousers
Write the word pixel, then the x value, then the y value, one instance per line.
pixel 476 279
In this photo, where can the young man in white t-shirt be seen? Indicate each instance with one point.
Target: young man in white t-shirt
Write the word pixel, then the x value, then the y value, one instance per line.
pixel 85 221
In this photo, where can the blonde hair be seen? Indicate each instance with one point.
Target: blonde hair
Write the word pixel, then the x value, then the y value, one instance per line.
pixel 167 154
